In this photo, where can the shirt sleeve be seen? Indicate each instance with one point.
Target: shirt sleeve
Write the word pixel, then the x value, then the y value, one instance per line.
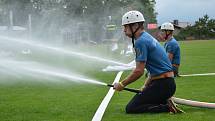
pixel 141 52
pixel 171 48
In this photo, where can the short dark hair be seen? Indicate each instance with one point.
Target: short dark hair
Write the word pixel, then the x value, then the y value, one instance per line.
pixel 141 24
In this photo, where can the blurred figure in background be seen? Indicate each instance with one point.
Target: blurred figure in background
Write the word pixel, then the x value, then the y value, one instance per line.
pixel 171 46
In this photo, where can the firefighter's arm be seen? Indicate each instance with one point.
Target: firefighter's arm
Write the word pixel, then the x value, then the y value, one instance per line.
pixel 136 74
pixel 170 55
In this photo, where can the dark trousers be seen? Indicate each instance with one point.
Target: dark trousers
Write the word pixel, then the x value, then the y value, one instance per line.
pixel 153 99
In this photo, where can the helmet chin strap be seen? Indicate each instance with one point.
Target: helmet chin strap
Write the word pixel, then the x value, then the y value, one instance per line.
pixel 133 33
pixel 166 35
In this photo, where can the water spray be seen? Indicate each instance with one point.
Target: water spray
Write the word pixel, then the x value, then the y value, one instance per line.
pixel 35 69
pixel 60 50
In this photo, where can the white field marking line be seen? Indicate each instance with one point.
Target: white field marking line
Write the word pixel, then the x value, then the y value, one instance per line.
pixel 100 111
pixel 204 74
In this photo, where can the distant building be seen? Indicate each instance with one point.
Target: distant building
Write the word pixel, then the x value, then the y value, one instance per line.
pixel 181 24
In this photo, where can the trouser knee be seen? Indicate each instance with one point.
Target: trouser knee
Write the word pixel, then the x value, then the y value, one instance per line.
pixel 129 109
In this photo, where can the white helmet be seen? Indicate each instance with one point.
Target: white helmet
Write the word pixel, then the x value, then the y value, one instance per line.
pixel 132 17
pixel 167 26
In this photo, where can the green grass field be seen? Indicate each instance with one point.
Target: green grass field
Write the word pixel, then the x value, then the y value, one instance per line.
pixel 26 99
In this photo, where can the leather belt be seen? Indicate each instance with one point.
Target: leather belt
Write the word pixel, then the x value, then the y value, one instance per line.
pixel 163 75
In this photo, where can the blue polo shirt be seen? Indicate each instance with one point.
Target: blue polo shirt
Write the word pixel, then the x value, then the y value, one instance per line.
pixel 150 51
pixel 172 47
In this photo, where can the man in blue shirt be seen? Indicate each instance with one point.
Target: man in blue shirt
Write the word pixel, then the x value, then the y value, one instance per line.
pixel 160 86
pixel 171 46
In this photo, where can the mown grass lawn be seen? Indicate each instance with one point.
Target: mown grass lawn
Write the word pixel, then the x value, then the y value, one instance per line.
pixel 29 99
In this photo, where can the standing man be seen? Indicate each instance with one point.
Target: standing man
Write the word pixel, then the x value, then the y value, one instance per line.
pixel 171 46
pixel 160 86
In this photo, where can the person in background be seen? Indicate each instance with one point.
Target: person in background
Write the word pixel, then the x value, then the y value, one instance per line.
pixel 159 87
pixel 171 46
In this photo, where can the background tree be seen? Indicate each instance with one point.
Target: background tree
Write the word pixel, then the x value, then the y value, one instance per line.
pixel 204 28
pixel 52 16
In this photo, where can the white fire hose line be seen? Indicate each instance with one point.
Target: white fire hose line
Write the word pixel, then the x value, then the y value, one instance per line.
pixel 100 111
pixel 193 103
pixel 204 74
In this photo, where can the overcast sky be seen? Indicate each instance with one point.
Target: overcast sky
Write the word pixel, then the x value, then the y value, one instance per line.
pixel 184 10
